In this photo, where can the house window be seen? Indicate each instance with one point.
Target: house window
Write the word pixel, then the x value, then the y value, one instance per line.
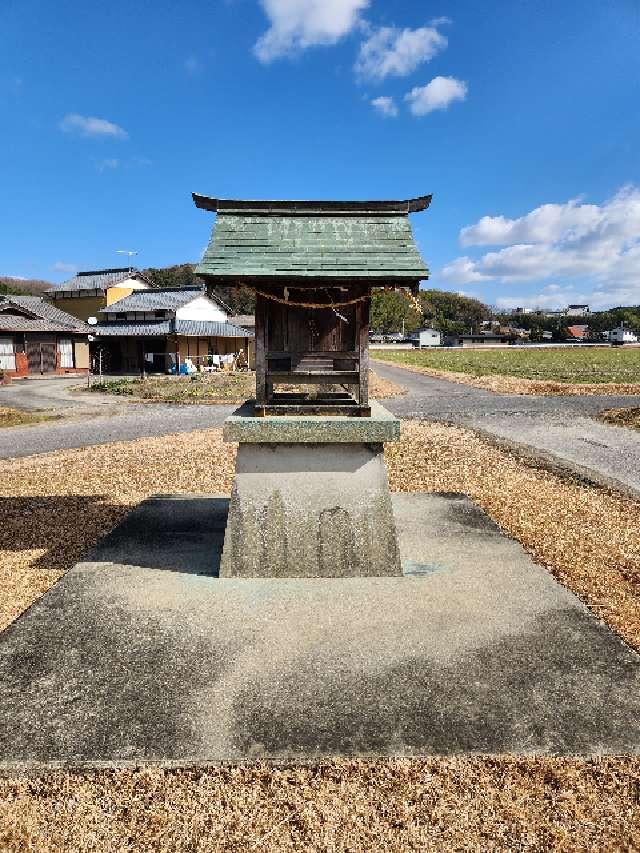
pixel 7 355
pixel 65 348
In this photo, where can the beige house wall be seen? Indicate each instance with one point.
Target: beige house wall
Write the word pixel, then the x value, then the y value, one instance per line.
pixel 81 354
pixel 81 307
pixel 116 293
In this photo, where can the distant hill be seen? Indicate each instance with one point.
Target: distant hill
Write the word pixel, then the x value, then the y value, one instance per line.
pixel 33 286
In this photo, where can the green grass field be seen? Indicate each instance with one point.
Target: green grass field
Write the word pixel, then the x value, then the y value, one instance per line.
pixel 569 365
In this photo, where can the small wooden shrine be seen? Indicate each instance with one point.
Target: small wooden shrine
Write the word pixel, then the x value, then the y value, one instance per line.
pixel 312 265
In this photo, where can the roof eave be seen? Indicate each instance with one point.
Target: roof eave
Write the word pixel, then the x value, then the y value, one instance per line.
pixel 307 208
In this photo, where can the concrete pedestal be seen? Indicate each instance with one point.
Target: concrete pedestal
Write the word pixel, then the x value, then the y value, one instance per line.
pixel 310 497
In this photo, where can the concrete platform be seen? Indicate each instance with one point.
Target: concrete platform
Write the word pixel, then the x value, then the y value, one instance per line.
pixel 143 653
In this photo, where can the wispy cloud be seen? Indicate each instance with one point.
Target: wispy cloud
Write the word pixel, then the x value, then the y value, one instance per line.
pixel 436 95
pixel 386 106
pixel 109 163
pixel 390 51
pixel 298 24
pixel 598 245
pixel 63 266
pixel 91 126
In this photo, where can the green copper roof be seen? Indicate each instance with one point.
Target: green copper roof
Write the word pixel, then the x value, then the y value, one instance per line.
pixel 363 240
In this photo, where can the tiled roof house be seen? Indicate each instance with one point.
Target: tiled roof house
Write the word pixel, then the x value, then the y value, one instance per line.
pixel 37 338
pixel 152 329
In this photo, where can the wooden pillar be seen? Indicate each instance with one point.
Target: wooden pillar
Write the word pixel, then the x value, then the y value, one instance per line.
pixel 177 352
pixel 363 351
pixel 261 351
pixel 141 357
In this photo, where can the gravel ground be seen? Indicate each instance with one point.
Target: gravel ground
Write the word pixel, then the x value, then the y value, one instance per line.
pixel 55 507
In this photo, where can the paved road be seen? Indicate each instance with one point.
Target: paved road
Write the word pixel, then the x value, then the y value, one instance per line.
pixel 92 419
pixel 560 427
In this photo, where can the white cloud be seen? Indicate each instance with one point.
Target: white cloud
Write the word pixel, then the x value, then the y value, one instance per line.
pixel 109 163
pixel 390 51
pixel 542 225
pixel 385 106
pixel 90 126
pixel 299 24
pixel 598 245
pixel 63 266
pixel 436 95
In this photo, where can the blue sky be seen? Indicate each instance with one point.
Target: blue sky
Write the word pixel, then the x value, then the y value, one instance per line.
pixel 522 119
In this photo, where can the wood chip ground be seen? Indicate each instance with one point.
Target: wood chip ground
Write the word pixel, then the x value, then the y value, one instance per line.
pixel 54 507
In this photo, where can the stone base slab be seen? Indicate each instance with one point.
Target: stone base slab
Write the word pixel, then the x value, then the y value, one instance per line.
pixel 243 426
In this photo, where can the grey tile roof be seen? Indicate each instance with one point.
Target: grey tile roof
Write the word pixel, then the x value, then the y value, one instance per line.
pixel 98 279
pixel 209 329
pixel 187 328
pixel 133 330
pixel 15 323
pixel 45 312
pixel 167 299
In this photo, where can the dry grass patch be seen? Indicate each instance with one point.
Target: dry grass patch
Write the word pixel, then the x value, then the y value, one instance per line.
pixel 211 388
pixel 436 804
pixel 622 417
pixel 14 417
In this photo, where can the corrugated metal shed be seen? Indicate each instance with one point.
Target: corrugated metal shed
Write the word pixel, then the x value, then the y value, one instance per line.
pixel 355 240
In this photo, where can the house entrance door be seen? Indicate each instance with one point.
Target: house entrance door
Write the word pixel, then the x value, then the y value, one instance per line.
pixel 41 355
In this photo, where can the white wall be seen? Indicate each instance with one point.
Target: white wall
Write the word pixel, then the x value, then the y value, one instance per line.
pixel 133 283
pixel 202 308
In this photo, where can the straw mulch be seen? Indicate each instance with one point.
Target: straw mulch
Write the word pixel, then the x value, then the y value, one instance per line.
pixel 527 387
pixel 55 506
pixel 437 804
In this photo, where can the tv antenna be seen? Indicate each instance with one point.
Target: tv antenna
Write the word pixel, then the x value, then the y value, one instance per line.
pixel 128 252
